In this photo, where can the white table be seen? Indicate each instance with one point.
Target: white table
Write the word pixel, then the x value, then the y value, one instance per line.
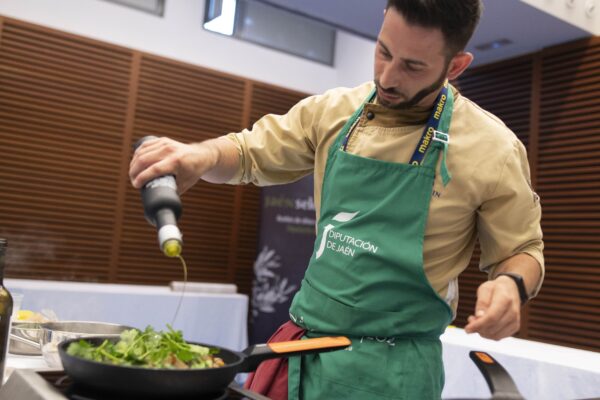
pixel 540 371
pixel 218 319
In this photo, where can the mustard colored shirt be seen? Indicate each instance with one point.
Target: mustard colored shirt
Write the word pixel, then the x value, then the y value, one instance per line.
pixel 489 196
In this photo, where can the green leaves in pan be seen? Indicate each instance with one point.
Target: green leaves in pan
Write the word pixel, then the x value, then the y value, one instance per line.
pixel 148 349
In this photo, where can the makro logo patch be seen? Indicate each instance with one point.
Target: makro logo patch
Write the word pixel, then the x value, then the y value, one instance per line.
pixel 343 243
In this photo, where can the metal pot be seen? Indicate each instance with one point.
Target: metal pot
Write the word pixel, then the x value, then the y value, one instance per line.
pixel 52 333
pixel 32 332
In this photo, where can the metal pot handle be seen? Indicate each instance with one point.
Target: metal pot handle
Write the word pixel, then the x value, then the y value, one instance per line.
pixel 26 341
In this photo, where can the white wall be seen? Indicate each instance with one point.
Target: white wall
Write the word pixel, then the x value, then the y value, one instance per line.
pixel 584 14
pixel 179 35
pixel 353 59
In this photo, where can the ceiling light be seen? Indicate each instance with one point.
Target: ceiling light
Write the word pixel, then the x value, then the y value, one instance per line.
pixel 223 17
pixel 493 45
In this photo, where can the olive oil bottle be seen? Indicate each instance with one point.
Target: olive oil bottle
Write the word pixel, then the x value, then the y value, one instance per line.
pixel 6 305
pixel 162 209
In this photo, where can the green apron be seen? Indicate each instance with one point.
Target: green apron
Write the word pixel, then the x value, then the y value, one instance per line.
pixel 365 279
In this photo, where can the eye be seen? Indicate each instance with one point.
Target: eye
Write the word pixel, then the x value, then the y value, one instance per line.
pixel 414 68
pixel 384 52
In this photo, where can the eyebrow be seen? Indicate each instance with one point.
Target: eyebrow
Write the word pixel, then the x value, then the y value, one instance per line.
pixel 406 60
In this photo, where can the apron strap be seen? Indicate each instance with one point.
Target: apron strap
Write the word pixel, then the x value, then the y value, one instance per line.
pixel 441 140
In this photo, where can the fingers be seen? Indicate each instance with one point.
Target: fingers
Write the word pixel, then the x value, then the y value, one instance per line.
pixel 484 299
pixel 160 168
pixel 497 315
pixel 497 324
pixel 188 162
pixel 506 326
pixel 151 160
pixel 147 146
pixel 135 165
pixel 485 293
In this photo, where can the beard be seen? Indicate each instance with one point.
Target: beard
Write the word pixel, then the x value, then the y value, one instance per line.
pixel 416 99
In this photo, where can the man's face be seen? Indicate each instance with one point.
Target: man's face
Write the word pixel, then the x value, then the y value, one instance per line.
pixel 410 63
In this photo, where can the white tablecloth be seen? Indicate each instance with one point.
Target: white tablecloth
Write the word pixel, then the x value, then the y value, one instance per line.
pixel 540 371
pixel 218 319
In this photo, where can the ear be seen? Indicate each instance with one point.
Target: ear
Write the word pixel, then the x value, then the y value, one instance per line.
pixel 458 64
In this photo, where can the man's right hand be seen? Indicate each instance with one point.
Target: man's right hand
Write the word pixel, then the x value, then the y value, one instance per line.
pixel 163 156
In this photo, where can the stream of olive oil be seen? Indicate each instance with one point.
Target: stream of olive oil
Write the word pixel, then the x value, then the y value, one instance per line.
pixel 182 290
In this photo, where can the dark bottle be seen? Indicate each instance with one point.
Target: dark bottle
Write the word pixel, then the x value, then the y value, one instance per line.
pixel 6 305
pixel 162 209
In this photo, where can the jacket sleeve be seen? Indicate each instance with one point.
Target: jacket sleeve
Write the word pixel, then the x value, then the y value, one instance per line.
pixel 279 148
pixel 509 219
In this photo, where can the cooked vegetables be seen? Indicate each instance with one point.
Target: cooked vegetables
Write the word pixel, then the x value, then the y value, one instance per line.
pixel 148 349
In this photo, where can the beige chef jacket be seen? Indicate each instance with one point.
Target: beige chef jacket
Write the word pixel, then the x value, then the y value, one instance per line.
pixel 489 196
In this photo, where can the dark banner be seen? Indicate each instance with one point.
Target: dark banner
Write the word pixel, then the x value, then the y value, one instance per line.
pixel 287 235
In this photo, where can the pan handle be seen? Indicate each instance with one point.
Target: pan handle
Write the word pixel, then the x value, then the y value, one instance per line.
pixel 260 352
pixel 499 381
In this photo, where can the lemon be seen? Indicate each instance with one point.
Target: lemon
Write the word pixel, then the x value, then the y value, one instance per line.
pixel 24 315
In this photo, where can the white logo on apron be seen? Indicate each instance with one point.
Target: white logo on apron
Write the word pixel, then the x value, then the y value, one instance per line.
pixel 340 242
pixel 340 217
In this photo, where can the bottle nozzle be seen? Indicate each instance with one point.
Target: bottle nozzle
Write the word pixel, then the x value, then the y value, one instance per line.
pixel 170 240
pixel 172 248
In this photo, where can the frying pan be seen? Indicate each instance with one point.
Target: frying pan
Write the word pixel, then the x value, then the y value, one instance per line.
pixel 498 380
pixel 168 383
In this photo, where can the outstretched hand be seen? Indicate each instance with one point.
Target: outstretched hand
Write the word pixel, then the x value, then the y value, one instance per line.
pixel 166 156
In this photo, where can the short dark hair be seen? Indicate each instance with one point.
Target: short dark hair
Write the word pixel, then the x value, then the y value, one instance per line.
pixel 457 19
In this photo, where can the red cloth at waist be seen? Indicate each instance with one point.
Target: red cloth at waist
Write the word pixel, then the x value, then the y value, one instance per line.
pixel 271 376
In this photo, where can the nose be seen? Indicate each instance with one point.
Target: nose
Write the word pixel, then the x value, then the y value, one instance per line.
pixel 390 76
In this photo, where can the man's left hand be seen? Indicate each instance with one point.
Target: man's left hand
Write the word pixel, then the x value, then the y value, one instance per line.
pixel 497 311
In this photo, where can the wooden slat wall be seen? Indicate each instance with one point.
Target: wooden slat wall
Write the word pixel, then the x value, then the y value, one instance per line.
pixel 70 110
pixel 62 114
pixel 267 99
pixel 567 311
pixel 246 237
pixel 560 127
pixel 505 90
pixel 187 104
pixel 263 99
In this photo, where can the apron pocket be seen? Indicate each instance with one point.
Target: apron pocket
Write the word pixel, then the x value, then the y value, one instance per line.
pixel 375 369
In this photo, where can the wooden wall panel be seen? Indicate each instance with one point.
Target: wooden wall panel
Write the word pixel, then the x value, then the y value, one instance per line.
pixel 503 89
pixel 71 107
pixel 246 237
pixel 263 99
pixel 70 110
pixel 189 104
pixel 268 99
pixel 62 112
pixel 567 311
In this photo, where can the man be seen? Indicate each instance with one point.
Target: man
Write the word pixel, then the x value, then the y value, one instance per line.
pixel 408 173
